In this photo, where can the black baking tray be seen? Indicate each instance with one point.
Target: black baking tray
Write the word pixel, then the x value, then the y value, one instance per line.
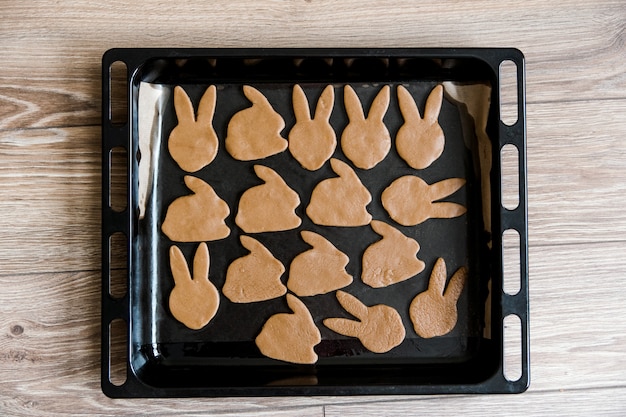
pixel 166 359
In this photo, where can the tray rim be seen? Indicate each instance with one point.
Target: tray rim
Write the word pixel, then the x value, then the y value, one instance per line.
pixel 116 136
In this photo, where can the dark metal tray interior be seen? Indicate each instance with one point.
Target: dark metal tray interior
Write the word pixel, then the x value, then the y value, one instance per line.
pixel 165 358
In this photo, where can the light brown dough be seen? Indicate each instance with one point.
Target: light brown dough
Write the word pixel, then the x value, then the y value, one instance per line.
pixel 379 327
pixel 420 141
pixel 319 270
pixel 366 141
pixel 340 201
pixel 254 277
pixel 433 312
pixel 192 302
pixel 193 142
pixel 197 217
pixel 312 141
pixel 290 337
pixel 254 133
pixel 409 200
pixel 390 260
pixel 268 207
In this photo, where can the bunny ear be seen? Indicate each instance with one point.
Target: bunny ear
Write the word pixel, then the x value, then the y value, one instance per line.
pixel 341 168
pixel 456 284
pixel 345 327
pixel 206 108
pixel 437 281
pixel 255 96
pixel 300 105
pixel 297 306
pixel 178 264
pixel 183 106
pixel 313 238
pixel 352 104
pixel 267 174
pixel 408 108
pixel 443 189
pixel 201 262
pixel 352 305
pixel 433 104
pixel 195 184
pixel 446 210
pixel 325 103
pixel 380 104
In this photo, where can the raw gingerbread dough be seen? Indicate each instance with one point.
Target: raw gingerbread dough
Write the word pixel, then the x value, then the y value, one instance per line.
pixel 254 277
pixel 319 270
pixel 197 217
pixel 390 260
pixel 254 132
pixel 420 141
pixel 290 337
pixel 409 200
pixel 379 327
pixel 268 207
pixel 193 142
pixel 192 302
pixel 366 141
pixel 433 312
pixel 312 141
pixel 340 201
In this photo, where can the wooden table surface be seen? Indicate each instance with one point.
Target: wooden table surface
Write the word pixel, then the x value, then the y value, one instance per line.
pixel 50 174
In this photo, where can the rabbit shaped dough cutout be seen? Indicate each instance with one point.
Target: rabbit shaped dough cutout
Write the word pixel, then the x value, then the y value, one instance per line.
pixel 197 217
pixel 319 270
pixel 193 142
pixel 193 301
pixel 379 327
pixel 366 141
pixel 269 207
pixel 290 337
pixel 254 277
pixel 390 260
pixel 312 141
pixel 434 312
pixel 254 132
pixel 420 141
pixel 409 200
pixel 340 201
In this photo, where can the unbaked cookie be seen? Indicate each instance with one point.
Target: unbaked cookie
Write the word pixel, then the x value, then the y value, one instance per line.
pixel 366 141
pixel 409 200
pixel 340 201
pixel 312 141
pixel 433 312
pixel 192 302
pixel 390 260
pixel 290 337
pixel 379 327
pixel 319 270
pixel 420 141
pixel 197 217
pixel 268 207
pixel 254 133
pixel 254 277
pixel 193 142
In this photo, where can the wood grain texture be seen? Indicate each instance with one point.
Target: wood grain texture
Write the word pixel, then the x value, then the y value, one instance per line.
pixel 50 180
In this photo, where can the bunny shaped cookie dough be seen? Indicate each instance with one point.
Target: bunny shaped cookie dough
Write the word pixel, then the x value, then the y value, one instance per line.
pixel 290 337
pixel 312 141
pixel 379 327
pixel 269 207
pixel 433 312
pixel 197 217
pixel 193 142
pixel 340 201
pixel 409 200
pixel 390 260
pixel 366 141
pixel 319 270
pixel 254 132
pixel 193 302
pixel 420 141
